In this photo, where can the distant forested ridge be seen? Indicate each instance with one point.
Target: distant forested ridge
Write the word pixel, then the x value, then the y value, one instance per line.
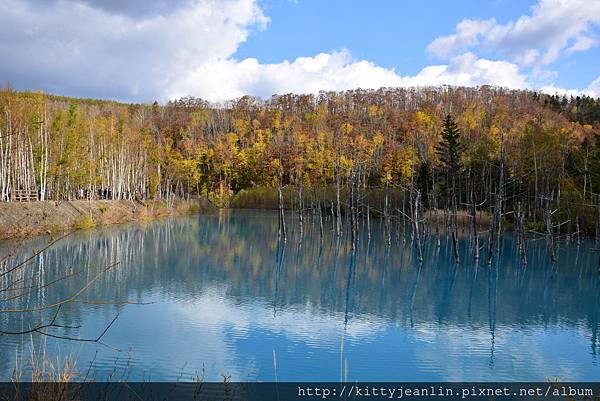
pixel 531 152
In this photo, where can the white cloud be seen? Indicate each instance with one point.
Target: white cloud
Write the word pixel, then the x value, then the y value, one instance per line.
pixel 82 48
pixel 467 35
pixel 146 50
pixel 468 70
pixel 582 43
pixel 226 79
pixel 535 40
pixel 594 88
pixel 78 48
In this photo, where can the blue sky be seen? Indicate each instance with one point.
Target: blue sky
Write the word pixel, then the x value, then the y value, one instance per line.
pixel 142 50
pixel 391 33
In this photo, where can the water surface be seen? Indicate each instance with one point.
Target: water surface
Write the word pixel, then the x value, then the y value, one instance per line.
pixel 217 295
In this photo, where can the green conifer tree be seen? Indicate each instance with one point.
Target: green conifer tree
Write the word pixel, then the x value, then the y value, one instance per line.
pixel 449 150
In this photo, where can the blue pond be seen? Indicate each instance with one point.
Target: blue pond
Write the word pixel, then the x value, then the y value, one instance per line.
pixel 213 295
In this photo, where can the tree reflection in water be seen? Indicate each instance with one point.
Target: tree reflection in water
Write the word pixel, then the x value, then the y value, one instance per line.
pixel 225 293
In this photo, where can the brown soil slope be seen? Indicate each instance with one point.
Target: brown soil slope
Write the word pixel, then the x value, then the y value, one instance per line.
pixel 33 218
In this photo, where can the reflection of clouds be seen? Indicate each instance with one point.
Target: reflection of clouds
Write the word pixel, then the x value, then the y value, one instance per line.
pixel 303 322
pixel 210 331
pixel 205 332
pixel 451 352
pixel 214 286
pixel 460 352
pixel 164 344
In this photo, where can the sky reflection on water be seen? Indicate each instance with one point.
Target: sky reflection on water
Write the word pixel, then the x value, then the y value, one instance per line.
pixel 224 297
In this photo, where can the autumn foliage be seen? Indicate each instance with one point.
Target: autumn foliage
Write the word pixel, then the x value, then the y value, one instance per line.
pixel 61 147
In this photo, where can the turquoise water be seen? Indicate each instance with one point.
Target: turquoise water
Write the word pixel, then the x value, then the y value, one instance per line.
pixel 215 295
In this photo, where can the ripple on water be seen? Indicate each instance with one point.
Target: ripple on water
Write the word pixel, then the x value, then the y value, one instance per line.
pixel 225 301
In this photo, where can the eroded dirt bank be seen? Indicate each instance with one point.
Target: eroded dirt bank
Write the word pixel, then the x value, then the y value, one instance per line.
pixel 21 219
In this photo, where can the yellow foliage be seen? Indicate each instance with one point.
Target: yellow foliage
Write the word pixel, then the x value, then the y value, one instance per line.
pixel 424 119
pixel 196 118
pixel 387 177
pixel 495 137
pixel 84 222
pixel 406 160
pixel 240 126
pixel 471 117
pixel 378 139
pixel 259 147
pixel 276 122
pixel 275 165
pixel 374 111
pixel 346 163
pixel 232 138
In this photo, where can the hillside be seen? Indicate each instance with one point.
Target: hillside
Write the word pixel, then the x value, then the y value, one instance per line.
pixel 545 146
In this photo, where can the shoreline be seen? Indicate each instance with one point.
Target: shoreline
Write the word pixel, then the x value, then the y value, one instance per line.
pixel 25 219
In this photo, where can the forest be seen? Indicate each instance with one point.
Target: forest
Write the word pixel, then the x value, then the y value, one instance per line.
pixel 524 158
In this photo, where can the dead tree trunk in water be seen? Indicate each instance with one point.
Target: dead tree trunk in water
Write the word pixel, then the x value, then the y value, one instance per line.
pixel 495 225
pixel 492 231
pixel 454 220
pixel 520 224
pixel 500 200
pixel 455 246
pixel 597 221
pixel 474 223
pixel 404 218
pixel 549 228
pixel 416 226
pixel 333 221
pixel 368 222
pixel 301 209
pixel 386 214
pixel 434 196
pixel 282 232
pixel 577 231
pixel 597 246
pixel 353 219
pixel 320 211
pixel 338 184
